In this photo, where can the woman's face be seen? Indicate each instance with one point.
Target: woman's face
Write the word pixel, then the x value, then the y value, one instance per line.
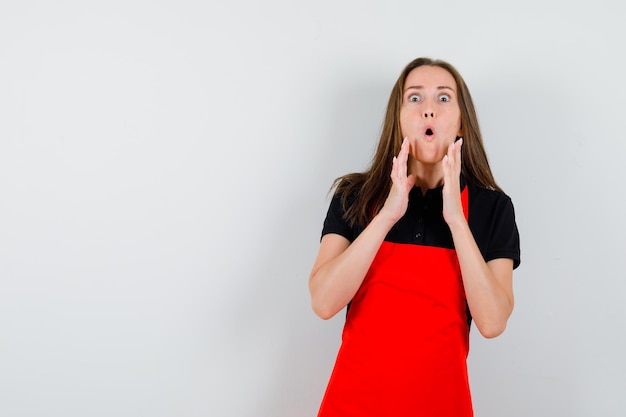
pixel 430 116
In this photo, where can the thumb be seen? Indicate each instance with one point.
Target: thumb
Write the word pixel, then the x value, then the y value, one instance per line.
pixel 445 165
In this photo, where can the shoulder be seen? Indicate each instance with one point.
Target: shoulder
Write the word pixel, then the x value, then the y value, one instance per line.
pixel 491 218
pixel 344 196
pixel 487 203
pixel 488 196
pixel 349 185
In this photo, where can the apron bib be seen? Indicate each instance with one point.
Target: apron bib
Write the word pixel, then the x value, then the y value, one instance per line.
pixel 406 338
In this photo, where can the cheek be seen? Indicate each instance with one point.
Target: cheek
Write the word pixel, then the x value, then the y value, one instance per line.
pixel 403 123
pixel 456 123
pixel 457 126
pixel 407 121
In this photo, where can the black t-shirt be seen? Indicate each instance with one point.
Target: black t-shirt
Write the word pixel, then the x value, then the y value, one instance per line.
pixel 491 218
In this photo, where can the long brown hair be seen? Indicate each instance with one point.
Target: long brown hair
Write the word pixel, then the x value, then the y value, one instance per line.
pixel 367 191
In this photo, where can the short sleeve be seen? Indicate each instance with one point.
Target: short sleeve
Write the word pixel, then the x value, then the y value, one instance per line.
pixel 335 221
pixel 505 238
pixel 492 220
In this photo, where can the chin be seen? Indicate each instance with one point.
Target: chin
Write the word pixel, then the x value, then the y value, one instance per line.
pixel 430 158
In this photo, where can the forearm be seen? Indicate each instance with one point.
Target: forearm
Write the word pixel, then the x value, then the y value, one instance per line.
pixel 488 287
pixel 340 267
pixel 334 283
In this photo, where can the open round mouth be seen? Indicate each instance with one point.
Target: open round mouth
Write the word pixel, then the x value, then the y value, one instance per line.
pixel 429 132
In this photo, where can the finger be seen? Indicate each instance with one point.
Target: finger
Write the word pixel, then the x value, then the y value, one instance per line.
pixel 396 170
pixel 446 168
pixel 410 182
pixel 457 149
pixel 398 174
pixel 451 150
pixel 448 158
pixel 454 154
pixel 403 158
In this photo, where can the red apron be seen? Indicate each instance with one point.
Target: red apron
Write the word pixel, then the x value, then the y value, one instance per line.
pixel 406 339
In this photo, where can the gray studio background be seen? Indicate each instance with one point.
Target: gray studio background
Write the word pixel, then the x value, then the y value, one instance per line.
pixel 163 176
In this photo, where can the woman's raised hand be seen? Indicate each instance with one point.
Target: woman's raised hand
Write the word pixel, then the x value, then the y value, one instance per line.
pixel 398 199
pixel 452 207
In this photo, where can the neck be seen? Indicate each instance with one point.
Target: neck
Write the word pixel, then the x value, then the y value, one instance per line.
pixel 427 176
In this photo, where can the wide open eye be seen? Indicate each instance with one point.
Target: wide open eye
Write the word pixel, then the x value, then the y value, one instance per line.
pixel 415 98
pixel 444 98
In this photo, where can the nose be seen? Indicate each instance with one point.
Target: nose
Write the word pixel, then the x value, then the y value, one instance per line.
pixel 428 109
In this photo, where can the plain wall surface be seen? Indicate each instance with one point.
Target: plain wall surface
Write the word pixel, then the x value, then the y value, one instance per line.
pixel 163 175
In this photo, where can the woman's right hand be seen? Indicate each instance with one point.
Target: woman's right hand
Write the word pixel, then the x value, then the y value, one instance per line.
pixel 341 266
pixel 398 199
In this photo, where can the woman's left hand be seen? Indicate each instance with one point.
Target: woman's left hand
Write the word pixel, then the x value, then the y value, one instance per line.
pixel 452 207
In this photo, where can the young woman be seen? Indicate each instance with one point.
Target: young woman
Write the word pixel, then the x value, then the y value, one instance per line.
pixel 417 247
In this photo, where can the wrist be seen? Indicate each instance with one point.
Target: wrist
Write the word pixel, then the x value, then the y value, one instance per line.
pixel 458 225
pixel 384 219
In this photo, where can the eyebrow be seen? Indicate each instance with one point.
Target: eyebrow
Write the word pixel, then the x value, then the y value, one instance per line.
pixel 421 87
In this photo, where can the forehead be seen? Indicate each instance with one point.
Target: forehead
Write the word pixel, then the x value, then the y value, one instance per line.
pixel 429 76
